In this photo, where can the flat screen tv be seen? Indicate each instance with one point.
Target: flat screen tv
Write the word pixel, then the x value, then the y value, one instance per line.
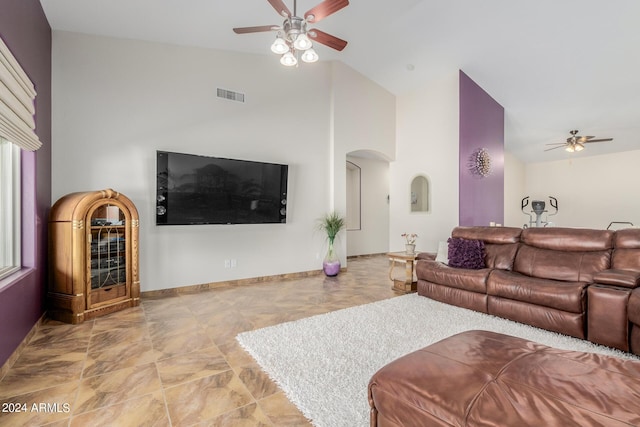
pixel 193 189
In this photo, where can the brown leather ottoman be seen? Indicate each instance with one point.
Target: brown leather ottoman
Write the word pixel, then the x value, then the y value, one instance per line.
pixel 480 378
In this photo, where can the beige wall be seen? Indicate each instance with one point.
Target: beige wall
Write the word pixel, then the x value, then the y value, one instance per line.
pixel 115 102
pixel 427 144
pixel 514 190
pixel 591 191
pixel 363 119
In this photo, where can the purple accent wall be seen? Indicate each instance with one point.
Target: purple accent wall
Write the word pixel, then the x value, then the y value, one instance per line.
pixel 481 126
pixel 25 30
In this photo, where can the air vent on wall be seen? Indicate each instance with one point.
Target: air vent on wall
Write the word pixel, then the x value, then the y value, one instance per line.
pixel 230 95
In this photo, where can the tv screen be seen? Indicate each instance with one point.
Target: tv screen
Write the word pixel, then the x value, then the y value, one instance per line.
pixel 192 189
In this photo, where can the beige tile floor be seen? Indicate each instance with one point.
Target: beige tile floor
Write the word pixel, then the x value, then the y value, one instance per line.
pixel 174 361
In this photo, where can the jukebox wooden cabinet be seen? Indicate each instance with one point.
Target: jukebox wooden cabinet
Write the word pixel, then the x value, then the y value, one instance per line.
pixel 93 256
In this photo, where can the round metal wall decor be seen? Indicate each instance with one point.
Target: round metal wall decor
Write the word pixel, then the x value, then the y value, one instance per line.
pixel 480 162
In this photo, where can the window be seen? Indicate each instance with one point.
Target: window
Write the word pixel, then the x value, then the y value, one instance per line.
pixel 9 208
pixel 17 131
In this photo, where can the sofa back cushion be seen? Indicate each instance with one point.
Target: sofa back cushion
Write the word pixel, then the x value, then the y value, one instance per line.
pixel 570 266
pixel 626 250
pixel 500 256
pixel 500 243
pixel 567 254
pixel 568 239
pixel 495 235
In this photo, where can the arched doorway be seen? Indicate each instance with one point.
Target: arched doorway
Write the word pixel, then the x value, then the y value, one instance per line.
pixel 367 201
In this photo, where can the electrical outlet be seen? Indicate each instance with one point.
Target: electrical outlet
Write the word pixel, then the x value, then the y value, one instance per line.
pixel 227 263
pixel 234 263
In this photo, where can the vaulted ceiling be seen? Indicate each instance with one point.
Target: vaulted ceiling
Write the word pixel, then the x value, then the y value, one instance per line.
pixel 555 65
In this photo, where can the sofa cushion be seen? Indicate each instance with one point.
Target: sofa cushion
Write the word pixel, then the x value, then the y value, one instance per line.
pixel 626 259
pixel 565 296
pixel 626 252
pixel 495 235
pixel 476 301
pixel 551 319
pixel 629 238
pixel 500 256
pixel 570 266
pixel 568 239
pixel 500 243
pixel 461 278
pixel 464 253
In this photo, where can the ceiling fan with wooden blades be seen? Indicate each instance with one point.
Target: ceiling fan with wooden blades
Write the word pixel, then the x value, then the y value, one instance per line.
pixel 576 142
pixel 293 39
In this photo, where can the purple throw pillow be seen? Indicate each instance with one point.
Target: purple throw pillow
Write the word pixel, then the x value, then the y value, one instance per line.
pixel 465 253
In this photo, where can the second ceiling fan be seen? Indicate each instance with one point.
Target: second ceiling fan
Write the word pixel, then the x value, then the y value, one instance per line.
pixel 293 38
pixel 576 142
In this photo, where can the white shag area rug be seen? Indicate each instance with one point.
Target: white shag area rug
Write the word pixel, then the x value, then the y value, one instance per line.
pixel 323 363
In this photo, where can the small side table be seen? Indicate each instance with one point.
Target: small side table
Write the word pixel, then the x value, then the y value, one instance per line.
pixel 407 285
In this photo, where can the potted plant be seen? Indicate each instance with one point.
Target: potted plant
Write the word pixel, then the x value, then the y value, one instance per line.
pixel 410 242
pixel 331 224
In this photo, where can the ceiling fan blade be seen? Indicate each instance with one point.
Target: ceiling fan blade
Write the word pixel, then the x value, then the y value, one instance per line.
pixel 327 39
pixel 280 7
pixel 598 140
pixel 584 138
pixel 324 9
pixel 553 148
pixel 258 29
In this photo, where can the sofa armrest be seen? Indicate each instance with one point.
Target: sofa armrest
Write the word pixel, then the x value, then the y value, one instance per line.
pixel 607 316
pixel 426 255
pixel 617 277
pixel 634 307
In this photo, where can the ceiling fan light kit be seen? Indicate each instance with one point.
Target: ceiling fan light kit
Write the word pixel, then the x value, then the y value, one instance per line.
pixel 571 148
pixel 310 55
pixel 279 46
pixel 302 42
pixel 288 59
pixel 293 40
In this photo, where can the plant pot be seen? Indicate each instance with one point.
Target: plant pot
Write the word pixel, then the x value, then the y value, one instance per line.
pixel 410 248
pixel 331 263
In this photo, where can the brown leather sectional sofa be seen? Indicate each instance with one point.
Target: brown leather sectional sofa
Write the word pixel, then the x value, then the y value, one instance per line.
pixel 579 282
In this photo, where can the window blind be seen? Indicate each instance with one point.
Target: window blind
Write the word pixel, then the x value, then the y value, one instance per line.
pixel 17 95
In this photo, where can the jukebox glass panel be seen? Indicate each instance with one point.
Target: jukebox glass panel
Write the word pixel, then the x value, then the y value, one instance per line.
pixel 108 247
